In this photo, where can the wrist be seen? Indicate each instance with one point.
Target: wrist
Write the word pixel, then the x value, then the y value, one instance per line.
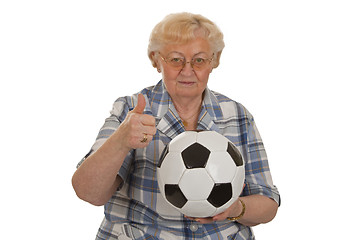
pixel 119 142
pixel 243 209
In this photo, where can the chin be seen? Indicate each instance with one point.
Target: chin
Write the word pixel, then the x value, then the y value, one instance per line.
pixel 188 92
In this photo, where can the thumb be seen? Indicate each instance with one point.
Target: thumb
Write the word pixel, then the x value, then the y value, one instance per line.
pixel 141 103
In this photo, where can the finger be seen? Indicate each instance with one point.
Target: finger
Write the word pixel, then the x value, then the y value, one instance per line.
pixel 143 141
pixel 148 139
pixel 149 130
pixel 191 218
pixel 141 103
pixel 147 120
pixel 220 217
pixel 204 220
pixel 200 220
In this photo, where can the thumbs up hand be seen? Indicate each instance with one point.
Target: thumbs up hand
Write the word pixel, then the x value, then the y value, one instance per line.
pixel 138 129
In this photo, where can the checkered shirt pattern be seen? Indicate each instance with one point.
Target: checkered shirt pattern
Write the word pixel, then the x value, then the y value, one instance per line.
pixel 137 210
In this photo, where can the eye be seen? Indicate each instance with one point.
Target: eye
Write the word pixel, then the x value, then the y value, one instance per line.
pixel 199 60
pixel 176 60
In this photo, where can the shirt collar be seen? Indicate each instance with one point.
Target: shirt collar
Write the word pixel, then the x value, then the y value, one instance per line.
pixel 167 119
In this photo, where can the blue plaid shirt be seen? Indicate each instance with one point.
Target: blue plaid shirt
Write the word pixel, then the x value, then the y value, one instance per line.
pixel 137 210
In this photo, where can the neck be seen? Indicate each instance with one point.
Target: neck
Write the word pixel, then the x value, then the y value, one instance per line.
pixel 187 108
pixel 189 112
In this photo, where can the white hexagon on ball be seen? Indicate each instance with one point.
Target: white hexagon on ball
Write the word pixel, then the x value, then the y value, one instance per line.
pixel 221 167
pixel 215 142
pixel 182 141
pixel 193 180
pixel 172 168
pixel 198 209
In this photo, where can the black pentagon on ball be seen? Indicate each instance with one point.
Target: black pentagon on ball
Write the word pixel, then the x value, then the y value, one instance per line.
pixel 220 194
pixel 235 154
pixel 195 156
pixel 174 195
pixel 163 155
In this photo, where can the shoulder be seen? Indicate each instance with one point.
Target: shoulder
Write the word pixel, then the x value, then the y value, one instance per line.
pixel 125 104
pixel 229 107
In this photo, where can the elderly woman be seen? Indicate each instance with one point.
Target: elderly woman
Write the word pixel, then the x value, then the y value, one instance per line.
pixel 120 170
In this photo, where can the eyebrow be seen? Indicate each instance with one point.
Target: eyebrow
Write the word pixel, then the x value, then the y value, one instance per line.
pixel 183 54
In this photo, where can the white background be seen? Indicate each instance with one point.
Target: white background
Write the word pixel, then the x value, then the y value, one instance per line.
pixel 294 64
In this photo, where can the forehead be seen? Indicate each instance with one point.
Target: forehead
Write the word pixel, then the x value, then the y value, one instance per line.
pixel 192 47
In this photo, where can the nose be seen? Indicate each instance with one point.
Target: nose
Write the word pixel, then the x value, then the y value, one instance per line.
pixel 187 69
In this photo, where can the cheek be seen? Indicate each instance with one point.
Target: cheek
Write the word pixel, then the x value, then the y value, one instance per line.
pixel 169 79
pixel 169 75
pixel 203 77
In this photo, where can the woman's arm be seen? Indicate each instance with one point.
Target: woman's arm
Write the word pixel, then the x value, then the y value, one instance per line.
pixel 96 180
pixel 258 209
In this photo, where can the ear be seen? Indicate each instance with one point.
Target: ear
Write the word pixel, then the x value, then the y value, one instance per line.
pixel 154 60
pixel 217 59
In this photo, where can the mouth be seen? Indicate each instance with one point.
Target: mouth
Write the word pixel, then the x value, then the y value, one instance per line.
pixel 186 83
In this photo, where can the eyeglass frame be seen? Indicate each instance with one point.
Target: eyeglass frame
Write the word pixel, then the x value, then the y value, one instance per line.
pixel 185 62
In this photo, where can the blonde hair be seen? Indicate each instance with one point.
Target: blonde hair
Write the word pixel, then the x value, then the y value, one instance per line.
pixel 180 28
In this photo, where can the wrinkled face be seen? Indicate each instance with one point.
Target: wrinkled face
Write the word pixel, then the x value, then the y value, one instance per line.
pixel 186 82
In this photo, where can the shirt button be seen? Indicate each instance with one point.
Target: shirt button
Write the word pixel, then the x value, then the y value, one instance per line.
pixel 194 227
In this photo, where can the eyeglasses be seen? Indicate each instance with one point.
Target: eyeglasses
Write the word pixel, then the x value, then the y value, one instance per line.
pixel 178 62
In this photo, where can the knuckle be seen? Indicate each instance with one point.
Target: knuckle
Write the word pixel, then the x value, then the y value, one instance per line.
pixel 154 131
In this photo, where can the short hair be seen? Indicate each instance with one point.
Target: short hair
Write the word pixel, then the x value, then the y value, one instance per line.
pixel 180 28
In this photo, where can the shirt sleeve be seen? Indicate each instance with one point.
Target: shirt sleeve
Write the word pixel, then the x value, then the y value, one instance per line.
pixel 117 116
pixel 258 178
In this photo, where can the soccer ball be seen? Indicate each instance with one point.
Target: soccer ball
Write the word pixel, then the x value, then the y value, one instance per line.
pixel 201 173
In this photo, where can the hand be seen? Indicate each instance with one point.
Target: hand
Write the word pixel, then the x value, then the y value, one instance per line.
pixel 234 210
pixel 136 127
